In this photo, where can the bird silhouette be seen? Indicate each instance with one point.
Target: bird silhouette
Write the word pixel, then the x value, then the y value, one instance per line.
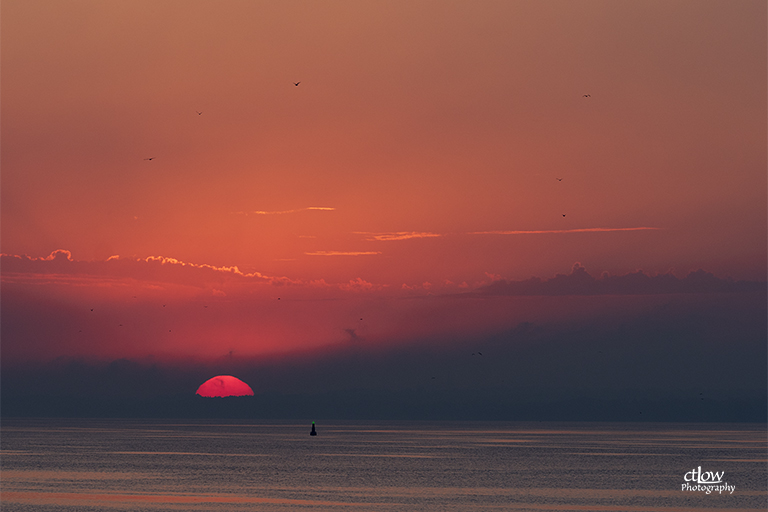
pixel 150 158
pixel 559 179
pixel 199 113
pixel 587 95
pixel 563 215
pixel 296 83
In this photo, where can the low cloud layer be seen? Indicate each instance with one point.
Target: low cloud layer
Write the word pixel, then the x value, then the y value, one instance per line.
pixel 61 268
pixel 60 265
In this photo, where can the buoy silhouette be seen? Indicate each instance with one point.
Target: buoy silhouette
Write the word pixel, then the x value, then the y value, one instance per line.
pixel 313 432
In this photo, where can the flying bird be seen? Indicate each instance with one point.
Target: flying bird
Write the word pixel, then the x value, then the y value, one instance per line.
pixel 199 113
pixel 587 95
pixel 563 215
pixel 559 179
pixel 150 158
pixel 296 83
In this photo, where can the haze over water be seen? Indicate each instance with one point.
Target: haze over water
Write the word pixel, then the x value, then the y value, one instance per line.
pixel 105 465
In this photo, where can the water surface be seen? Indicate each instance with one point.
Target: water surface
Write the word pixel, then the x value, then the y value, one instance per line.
pixel 162 465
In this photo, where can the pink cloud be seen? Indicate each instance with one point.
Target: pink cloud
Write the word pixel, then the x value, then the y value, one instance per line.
pixel 283 212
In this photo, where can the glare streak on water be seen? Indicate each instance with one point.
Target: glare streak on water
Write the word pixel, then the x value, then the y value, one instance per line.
pixel 154 465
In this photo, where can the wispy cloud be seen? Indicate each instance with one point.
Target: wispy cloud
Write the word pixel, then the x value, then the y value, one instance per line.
pixel 282 212
pixel 551 231
pixel 406 235
pixel 397 235
pixel 234 270
pixel 342 253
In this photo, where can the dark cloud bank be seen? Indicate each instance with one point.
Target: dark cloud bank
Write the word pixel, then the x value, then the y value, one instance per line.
pixel 580 282
pixel 680 357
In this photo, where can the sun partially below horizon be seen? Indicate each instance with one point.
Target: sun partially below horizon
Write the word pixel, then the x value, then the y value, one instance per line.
pixel 223 386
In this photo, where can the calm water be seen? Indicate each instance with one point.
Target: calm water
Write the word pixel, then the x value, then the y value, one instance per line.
pixel 106 465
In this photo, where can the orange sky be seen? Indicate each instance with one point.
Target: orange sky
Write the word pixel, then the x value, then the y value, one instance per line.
pixel 421 152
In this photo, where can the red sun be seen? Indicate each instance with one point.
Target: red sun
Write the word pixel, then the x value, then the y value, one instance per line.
pixel 224 385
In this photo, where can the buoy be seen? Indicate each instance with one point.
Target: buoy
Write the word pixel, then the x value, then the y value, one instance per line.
pixel 313 432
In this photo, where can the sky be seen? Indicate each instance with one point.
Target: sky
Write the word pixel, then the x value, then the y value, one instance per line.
pixel 225 183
